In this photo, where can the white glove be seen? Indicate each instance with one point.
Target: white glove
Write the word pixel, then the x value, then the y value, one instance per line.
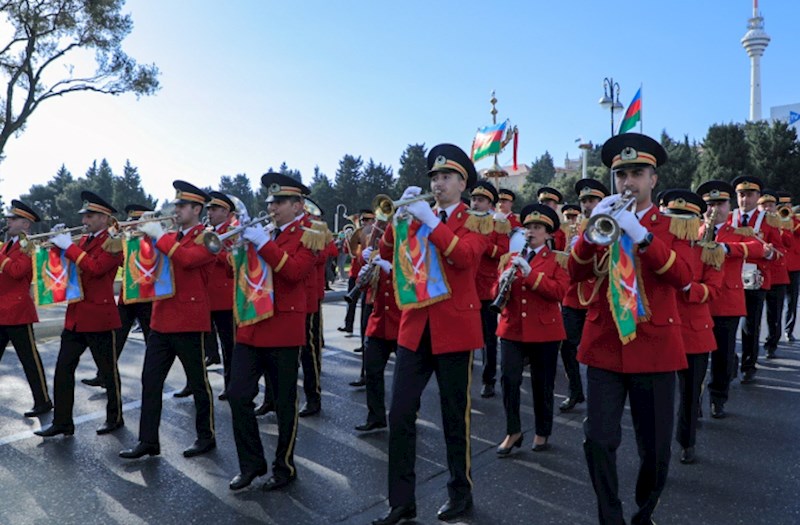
pixel 424 214
pixel 269 228
pixel 154 230
pixel 256 235
pixel 604 206
pixel 523 265
pixel 411 191
pixel 506 274
pixel 59 226
pixel 499 216
pixel 630 224
pixel 62 240
pixel 384 265
pixel 573 241
pixel 364 269
pixel 366 253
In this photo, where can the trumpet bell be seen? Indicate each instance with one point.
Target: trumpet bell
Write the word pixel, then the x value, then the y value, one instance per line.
pixel 602 229
pixel 383 206
pixel 212 242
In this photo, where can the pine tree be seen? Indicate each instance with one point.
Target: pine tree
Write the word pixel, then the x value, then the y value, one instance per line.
pixel 347 182
pixel 681 168
pixel 376 179
pixel 541 174
pixel 323 193
pixel 128 189
pixel 725 154
pixel 413 170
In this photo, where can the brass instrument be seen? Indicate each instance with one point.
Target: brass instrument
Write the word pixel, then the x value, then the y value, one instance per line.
pixel 214 242
pixel 120 225
pixel 785 212
pixel 708 240
pixel 384 209
pixel 504 287
pixel 602 229
pixel 46 235
pixel 404 202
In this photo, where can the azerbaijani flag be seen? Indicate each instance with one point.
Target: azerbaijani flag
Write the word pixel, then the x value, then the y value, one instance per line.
pixel 623 289
pixel 419 278
pixel 253 294
pixel 634 114
pixel 147 273
pixel 488 141
pixel 56 278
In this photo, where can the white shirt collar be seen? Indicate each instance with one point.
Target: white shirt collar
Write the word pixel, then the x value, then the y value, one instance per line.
pixel 537 250
pixel 297 218
pixel 449 210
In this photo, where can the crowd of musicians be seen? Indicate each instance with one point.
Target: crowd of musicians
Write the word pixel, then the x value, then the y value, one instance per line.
pixel 645 292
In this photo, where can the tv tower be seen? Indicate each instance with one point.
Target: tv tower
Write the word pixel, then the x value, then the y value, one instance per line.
pixel 755 41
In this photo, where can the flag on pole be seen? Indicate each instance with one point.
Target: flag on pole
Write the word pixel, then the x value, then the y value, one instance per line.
pixel 633 115
pixel 488 141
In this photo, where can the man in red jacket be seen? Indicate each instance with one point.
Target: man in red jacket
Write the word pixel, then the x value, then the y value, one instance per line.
pixel 427 342
pixel 91 321
pixel 505 201
pixel 17 311
pixel 178 326
pixel 642 367
pixel 792 228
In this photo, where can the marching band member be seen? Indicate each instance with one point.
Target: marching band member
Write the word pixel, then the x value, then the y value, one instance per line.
pixel 272 345
pixel 178 325
pixel 425 342
pixel 638 365
pixel 531 326
pixel 90 322
pixel 354 247
pixel 505 200
pixel 483 197
pixel 17 311
pixel 779 275
pixel 792 226
pixel 553 198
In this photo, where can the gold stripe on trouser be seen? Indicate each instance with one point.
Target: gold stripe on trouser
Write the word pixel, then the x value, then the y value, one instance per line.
pixel 467 416
pixel 38 360
pixel 290 448
pixel 312 348
pixel 115 368
pixel 208 385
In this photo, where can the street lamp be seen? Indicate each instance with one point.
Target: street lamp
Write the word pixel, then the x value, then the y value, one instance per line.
pixel 336 216
pixel 610 101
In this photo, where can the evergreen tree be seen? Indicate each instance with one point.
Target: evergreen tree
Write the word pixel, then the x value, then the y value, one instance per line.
pixel 376 179
pixel 347 182
pixel 100 180
pixel 413 170
pixel 725 154
pixel 681 169
pixel 775 153
pixel 295 174
pixel 239 187
pixel 541 173
pixel 323 193
pixel 128 189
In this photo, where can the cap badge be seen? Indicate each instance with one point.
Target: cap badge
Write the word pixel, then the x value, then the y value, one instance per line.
pixel 441 160
pixel 629 154
pixel 586 190
pixel 713 194
pixel 274 188
pixel 680 202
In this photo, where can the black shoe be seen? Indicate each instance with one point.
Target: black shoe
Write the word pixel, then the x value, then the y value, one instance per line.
pixel 569 403
pixel 345 329
pixel 360 382
pixel 200 446
pixel 109 427
pixel 243 480
pixel 748 377
pixel 366 427
pixel 38 410
pixel 454 508
pixel 185 392
pixel 771 353
pixel 212 360
pixel 141 449
pixel 275 483
pixel 541 447
pixel 223 396
pixel 487 390
pixel 398 514
pixel 687 455
pixel 94 381
pixel 506 451
pixel 264 408
pixel 54 430
pixel 359 350
pixel 310 408
pixel 790 338
pixel 718 410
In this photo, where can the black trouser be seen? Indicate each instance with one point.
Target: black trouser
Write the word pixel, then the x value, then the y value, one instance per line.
pixel 791 302
pixel 751 328
pixel 574 319
pixel 222 326
pixel 21 336
pixel 311 359
pixel 723 367
pixel 489 351
pixel 774 301
pixel 162 349
pixel 376 355
pixel 543 358
pixel 411 374
pixel 366 309
pixel 691 388
pixel 128 314
pixel 652 410
pixel 350 316
pixel 102 346
pixel 248 365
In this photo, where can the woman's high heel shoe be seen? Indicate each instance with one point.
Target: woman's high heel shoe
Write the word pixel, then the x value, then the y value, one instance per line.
pixel 506 451
pixel 541 447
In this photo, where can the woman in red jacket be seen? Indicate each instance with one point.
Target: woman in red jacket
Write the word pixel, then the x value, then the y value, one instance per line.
pixel 531 326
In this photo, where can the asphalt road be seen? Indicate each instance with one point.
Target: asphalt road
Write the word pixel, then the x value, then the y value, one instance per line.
pixel 748 468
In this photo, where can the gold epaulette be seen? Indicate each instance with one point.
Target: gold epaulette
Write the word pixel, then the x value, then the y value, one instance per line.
pixel 113 245
pixel 562 258
pixel 199 238
pixel 745 231
pixel 687 229
pixel 502 226
pixel 713 254
pixel 313 239
pixel 503 261
pixel 787 224
pixel 481 222
pixel 26 246
pixel 773 220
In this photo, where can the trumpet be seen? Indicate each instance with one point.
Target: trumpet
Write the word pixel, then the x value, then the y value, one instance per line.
pixel 602 229
pixel 120 225
pixel 80 230
pixel 785 212
pixel 214 242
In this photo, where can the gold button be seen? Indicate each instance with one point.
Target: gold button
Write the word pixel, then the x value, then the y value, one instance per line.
pixel 524 314
pixel 523 288
pixel 192 298
pixel 470 306
pixel 524 301
pixel 385 307
pixel 386 294
pixel 670 319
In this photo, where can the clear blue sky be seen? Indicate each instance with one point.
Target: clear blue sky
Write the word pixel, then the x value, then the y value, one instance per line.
pixel 256 83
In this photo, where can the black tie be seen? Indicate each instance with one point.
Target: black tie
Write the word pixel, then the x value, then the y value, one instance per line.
pixel 180 235
pixel 8 246
pixel 745 219
pixel 277 233
pixel 443 216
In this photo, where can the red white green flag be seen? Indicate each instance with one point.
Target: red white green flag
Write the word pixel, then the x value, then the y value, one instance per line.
pixel 147 273
pixel 488 141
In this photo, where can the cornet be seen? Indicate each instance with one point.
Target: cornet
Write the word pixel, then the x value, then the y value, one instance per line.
pixel 39 237
pixel 214 242
pixel 602 229
pixel 119 226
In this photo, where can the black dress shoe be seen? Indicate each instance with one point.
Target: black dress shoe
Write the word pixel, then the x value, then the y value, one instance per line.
pixel 487 390
pixel 398 514
pixel 309 409
pixel 359 350
pixel 360 382
pixel 109 427
pixel 184 392
pixel 718 410
pixel 345 329
pixel 141 449
pixel 38 410
pixel 200 446
pixel 55 430
pixel 212 360
pixel 540 447
pixel 94 381
pixel 569 403
pixel 454 508
pixel 275 483
pixel 790 338
pixel 264 408
pixel 243 480
pixel 506 451
pixel 748 377
pixel 687 455
pixel 771 353
pixel 373 425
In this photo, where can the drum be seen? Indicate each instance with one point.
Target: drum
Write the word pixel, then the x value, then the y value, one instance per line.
pixel 751 277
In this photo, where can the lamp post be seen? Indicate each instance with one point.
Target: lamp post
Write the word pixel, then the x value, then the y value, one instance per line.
pixel 610 101
pixel 336 216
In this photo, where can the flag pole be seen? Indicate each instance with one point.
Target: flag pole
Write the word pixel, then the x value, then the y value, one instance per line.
pixel 641 110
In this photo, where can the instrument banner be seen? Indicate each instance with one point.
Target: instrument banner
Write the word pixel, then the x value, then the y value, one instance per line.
pixel 419 277
pixel 624 295
pixel 56 279
pixel 147 274
pixel 253 294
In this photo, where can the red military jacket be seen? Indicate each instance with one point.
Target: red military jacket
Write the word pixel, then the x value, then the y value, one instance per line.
pixel 533 311
pixel 779 267
pixel 766 232
pixel 384 321
pixel 16 273
pixel 693 304
pixel 658 346
pixel 729 301
pixel 355 249
pixel 97 267
pixel 220 283
pixel 189 310
pixel 291 264
pixel 793 257
pixel 329 251
pixel 513 218
pixel 455 323
pixel 579 292
pixel 487 270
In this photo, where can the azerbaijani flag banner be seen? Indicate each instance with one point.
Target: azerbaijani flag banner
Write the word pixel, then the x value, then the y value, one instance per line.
pixel 253 294
pixel 488 141
pixel 56 278
pixel 419 278
pixel 634 114
pixel 624 295
pixel 147 273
